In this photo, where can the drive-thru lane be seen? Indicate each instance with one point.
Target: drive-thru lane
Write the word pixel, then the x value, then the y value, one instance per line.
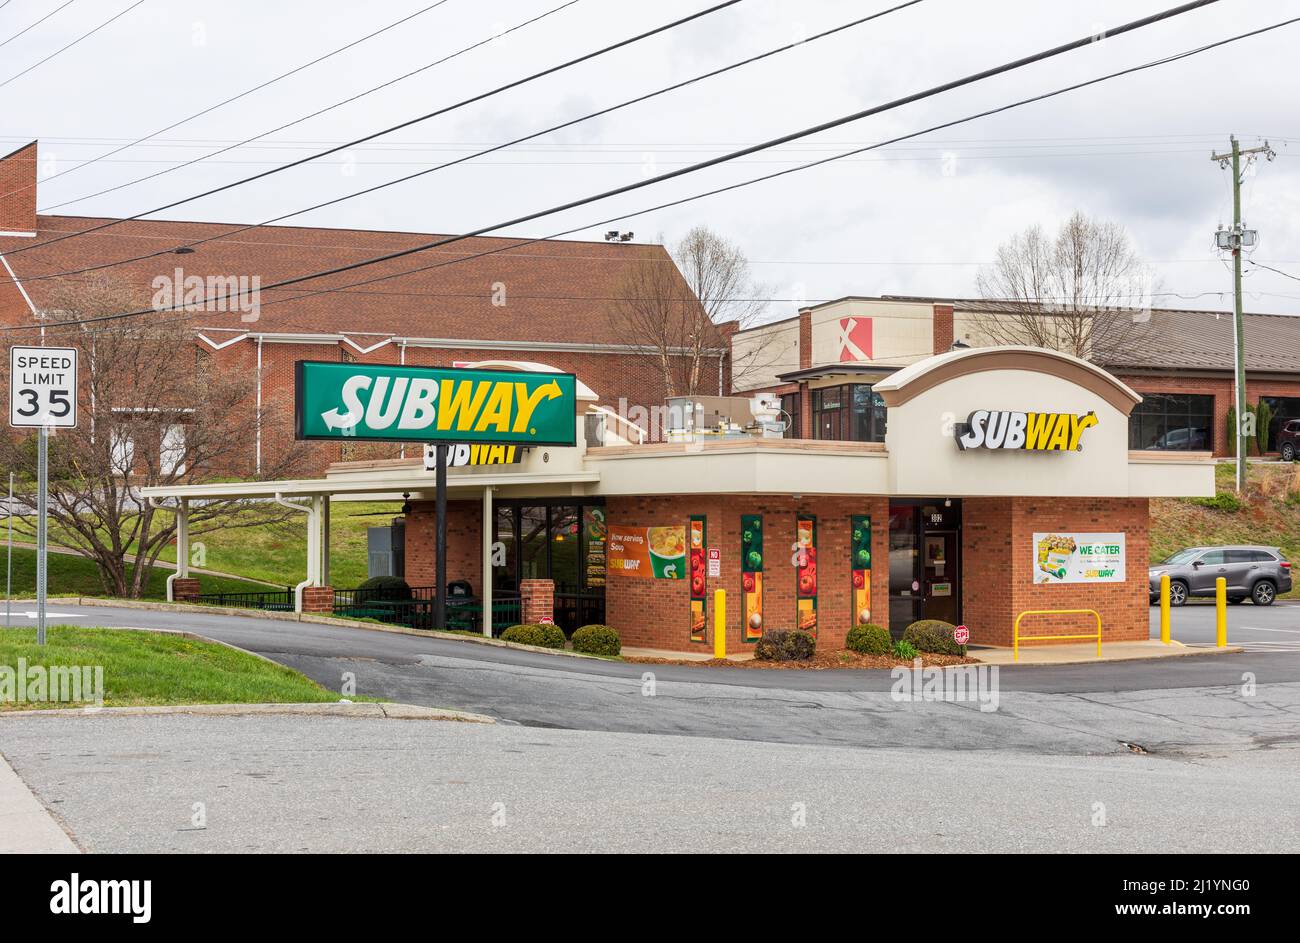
pixel 1172 705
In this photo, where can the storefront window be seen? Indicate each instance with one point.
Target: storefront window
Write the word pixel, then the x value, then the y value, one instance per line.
pixel 1172 421
pixel 533 562
pixel 852 412
pixel 1285 408
pixel 565 546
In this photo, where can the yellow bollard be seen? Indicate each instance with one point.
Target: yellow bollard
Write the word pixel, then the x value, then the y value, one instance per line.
pixel 1221 612
pixel 719 623
pixel 1164 608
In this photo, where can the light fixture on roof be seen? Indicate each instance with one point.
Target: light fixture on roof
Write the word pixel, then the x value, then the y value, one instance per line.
pixel 959 345
pixel 614 235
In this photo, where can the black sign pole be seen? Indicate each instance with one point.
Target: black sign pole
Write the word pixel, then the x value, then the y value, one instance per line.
pixel 440 567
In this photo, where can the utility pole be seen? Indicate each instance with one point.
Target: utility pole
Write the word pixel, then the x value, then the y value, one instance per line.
pixel 1234 240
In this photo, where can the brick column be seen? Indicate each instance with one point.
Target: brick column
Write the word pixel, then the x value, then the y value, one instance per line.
pixel 806 430
pixel 536 601
pixel 943 328
pixel 185 589
pixel 318 599
pixel 805 339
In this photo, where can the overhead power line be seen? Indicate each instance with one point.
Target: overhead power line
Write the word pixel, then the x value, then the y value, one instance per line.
pixel 68 3
pixel 535 134
pixel 63 49
pixel 317 113
pixel 824 126
pixel 817 163
pixel 405 124
pixel 243 94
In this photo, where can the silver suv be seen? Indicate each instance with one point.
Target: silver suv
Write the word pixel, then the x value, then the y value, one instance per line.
pixel 1258 572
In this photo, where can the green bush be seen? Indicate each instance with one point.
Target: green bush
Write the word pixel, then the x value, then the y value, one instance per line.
pixel 905 650
pixel 869 640
pixel 1223 501
pixel 543 636
pixel 780 645
pixel 597 640
pixel 385 587
pixel 933 635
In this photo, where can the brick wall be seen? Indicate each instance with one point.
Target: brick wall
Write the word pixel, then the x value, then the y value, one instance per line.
pixel 18 190
pixel 999 567
pixel 656 613
pixel 464 543
pixel 942 328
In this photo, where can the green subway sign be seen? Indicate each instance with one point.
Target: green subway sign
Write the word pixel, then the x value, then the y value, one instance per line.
pixel 379 402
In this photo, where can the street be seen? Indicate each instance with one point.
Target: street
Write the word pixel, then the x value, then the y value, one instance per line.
pixel 284 784
pixel 586 757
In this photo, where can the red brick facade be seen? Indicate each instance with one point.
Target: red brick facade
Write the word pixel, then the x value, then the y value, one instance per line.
pixel 999 568
pixel 18 190
pixel 464 543
pixel 185 589
pixel 942 328
pixel 656 613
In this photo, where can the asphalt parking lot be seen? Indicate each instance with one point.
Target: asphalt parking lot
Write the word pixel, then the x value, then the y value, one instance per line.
pixel 1274 628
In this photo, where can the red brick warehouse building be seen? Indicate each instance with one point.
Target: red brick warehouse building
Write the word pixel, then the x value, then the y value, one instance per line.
pixel 518 300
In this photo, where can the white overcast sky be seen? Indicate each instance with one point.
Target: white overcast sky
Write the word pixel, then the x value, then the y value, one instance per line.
pixel 915 218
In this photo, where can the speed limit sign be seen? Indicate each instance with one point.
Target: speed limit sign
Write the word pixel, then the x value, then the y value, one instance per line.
pixel 43 386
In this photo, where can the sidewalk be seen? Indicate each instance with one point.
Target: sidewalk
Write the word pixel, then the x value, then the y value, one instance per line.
pixel 25 826
pixel 1086 652
pixel 705 653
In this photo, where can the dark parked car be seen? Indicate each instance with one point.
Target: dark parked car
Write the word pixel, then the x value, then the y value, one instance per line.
pixel 1256 572
pixel 1288 440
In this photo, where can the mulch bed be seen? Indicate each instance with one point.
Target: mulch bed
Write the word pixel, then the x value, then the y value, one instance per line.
pixel 821 661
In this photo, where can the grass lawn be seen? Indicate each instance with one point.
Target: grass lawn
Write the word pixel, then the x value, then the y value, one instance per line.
pixel 277 553
pixel 76 576
pixel 148 668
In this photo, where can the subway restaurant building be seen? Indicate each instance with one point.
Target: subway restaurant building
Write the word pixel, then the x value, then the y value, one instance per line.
pixel 1004 483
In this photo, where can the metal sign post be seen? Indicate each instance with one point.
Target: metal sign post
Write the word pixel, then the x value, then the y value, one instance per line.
pixel 42 395
pixel 9 557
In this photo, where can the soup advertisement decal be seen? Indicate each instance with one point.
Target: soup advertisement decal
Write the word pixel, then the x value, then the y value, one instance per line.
pixel 652 553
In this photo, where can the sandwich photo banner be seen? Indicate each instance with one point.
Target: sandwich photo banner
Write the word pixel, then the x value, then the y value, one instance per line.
pixel 699 593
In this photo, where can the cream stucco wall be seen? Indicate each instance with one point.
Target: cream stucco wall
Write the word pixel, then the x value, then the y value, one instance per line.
pixel 901 332
pixel 760 354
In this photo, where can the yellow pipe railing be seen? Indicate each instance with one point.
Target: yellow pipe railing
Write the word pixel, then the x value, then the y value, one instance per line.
pixel 1015 629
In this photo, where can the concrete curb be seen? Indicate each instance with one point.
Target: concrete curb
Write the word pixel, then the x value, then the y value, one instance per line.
pixel 26 826
pixel 358 709
pixel 295 617
pixel 1176 650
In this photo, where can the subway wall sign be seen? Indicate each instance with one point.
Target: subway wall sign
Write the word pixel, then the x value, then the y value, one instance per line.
pixel 390 403
pixel 1032 432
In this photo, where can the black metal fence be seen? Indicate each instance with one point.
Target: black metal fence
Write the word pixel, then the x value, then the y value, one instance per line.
pixel 276 600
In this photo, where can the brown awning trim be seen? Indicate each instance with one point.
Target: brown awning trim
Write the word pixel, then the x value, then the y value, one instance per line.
pixel 1094 380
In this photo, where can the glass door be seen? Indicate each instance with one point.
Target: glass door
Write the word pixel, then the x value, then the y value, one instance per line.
pixel 904 585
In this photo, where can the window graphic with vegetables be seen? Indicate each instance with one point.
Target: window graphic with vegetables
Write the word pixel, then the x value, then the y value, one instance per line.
pixel 751 574
pixel 1054 552
pixel 860 547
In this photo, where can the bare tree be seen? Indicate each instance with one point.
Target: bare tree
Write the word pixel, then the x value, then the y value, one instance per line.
pixel 683 311
pixel 1084 291
pixel 150 413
